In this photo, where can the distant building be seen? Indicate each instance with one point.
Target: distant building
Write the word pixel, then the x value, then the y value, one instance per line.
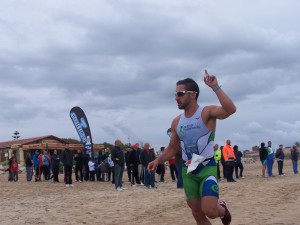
pixel 50 142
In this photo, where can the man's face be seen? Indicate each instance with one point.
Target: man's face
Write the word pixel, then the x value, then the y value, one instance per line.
pixel 182 99
pixel 269 143
pixel 118 143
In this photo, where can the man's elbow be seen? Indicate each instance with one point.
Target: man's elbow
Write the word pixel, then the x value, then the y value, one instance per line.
pixel 227 112
pixel 231 110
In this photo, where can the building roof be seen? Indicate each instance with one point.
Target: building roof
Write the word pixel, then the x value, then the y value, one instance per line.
pixel 28 141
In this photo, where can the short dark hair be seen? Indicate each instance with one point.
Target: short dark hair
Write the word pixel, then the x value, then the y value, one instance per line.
pixel 190 85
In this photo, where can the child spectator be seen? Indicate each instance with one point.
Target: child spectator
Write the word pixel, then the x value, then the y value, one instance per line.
pixel 92 169
pixel 104 171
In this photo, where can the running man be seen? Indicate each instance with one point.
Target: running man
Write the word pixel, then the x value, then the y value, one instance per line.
pixel 194 131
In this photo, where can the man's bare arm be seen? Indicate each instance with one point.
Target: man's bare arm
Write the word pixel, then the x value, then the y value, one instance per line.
pixel 171 150
pixel 227 106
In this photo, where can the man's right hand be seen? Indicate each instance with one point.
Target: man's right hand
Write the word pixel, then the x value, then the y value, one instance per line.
pixel 152 165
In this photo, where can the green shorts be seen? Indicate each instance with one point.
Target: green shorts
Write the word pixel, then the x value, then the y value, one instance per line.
pixel 204 183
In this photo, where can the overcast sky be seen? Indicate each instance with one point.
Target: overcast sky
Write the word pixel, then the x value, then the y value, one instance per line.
pixel 120 61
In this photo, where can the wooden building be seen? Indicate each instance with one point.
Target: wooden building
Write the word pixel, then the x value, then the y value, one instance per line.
pixel 21 147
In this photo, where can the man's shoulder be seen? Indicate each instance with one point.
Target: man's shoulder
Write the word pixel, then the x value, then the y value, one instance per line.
pixel 175 121
pixel 206 109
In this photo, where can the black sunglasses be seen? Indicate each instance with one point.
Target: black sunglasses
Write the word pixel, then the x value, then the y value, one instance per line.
pixel 182 93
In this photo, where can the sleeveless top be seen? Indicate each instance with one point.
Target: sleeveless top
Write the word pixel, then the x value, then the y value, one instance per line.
pixel 195 137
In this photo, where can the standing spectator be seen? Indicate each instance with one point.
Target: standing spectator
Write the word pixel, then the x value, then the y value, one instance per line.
pixel 46 165
pixel 238 163
pixel 10 175
pixel 55 166
pixel 217 157
pixel 161 168
pixel 263 154
pixel 14 168
pixel 280 157
pixel 103 169
pixel 92 169
pixel 28 165
pixel 229 159
pixel 173 170
pixel 67 160
pixel 223 163
pixel 78 166
pixel 134 161
pixel 110 167
pixel 148 156
pixel 117 156
pixel 99 157
pixel 97 169
pixel 294 157
pixel 36 165
pixel 270 159
pixel 178 165
pixel 50 165
pixel 86 158
pixel 141 168
pixel 40 165
pixel 128 166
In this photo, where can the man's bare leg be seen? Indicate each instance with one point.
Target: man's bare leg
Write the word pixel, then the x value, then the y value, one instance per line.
pixel 196 207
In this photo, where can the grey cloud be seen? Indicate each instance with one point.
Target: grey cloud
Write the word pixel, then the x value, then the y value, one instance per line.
pixel 124 58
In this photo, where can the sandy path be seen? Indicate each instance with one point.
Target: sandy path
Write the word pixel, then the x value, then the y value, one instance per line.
pixel 253 200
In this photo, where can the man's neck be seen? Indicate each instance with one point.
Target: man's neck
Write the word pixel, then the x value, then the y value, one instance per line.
pixel 190 110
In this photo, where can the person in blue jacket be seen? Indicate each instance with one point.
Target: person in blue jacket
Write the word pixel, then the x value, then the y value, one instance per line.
pixel 36 165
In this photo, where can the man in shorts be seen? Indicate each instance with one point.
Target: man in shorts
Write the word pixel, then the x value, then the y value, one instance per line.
pixel 194 132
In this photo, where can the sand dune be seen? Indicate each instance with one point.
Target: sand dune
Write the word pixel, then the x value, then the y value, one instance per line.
pixel 253 200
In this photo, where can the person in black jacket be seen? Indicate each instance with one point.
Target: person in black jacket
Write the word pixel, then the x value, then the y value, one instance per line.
pixel 224 168
pixel 134 161
pixel 128 166
pixel 294 157
pixel 263 154
pixel 147 156
pixel 161 168
pixel 86 159
pixel 280 157
pixel 78 165
pixel 238 163
pixel 28 165
pixel 55 166
pixel 117 156
pixel 67 160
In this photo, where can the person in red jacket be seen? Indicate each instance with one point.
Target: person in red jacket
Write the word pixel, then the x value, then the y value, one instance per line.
pixel 40 157
pixel 13 169
pixel 173 170
pixel 229 158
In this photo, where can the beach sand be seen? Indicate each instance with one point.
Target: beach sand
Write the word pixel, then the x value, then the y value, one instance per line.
pixel 253 200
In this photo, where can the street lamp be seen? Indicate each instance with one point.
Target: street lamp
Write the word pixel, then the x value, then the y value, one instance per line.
pixel 129 141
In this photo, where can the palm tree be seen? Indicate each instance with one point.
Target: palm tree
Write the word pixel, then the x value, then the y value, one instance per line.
pixel 16 135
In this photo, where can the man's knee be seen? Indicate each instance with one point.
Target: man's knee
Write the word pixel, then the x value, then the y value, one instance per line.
pixel 210 212
pixel 198 215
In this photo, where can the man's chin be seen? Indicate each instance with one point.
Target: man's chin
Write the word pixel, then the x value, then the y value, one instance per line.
pixel 180 107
